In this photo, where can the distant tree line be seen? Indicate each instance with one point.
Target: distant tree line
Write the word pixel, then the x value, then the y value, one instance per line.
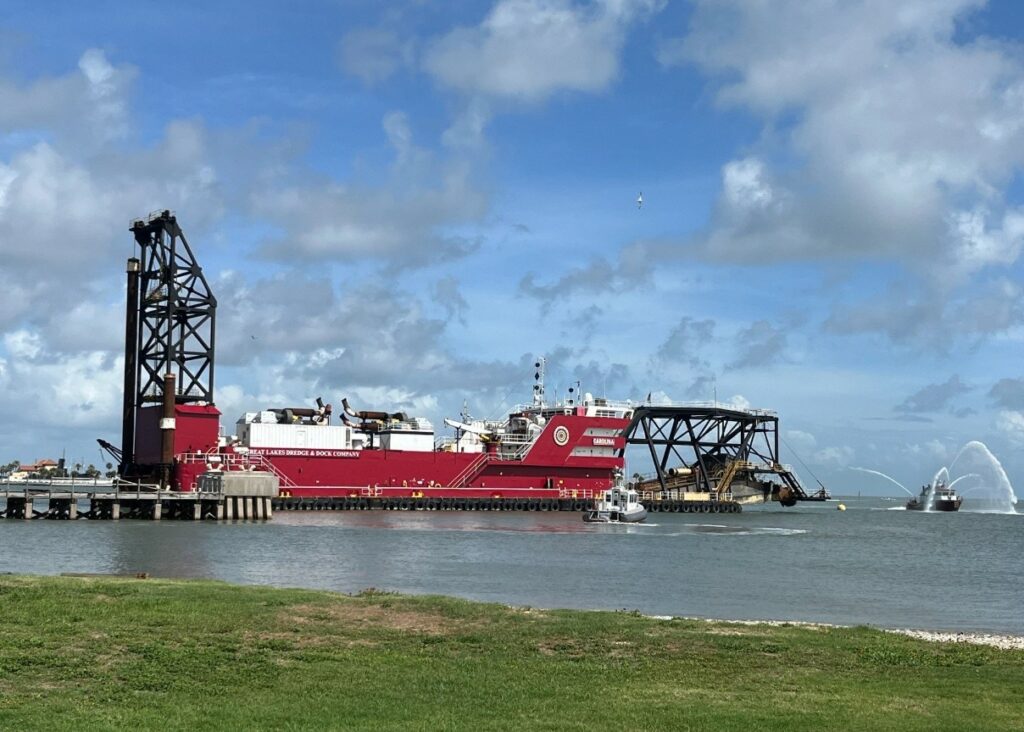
pixel 60 471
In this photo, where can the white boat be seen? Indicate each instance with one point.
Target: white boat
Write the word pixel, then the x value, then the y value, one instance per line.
pixel 618 505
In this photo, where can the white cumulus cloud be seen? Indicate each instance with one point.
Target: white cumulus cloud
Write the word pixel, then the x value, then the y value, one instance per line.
pixel 886 133
pixel 529 49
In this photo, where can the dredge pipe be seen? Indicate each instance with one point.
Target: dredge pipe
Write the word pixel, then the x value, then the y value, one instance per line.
pixel 382 416
pixel 167 430
pixel 131 342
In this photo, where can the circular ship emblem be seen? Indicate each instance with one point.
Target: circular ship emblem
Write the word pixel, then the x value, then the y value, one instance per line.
pixel 561 436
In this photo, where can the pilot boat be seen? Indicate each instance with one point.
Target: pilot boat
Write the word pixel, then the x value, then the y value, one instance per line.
pixel 618 505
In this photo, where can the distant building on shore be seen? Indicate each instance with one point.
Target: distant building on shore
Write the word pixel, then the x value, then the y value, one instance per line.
pixel 40 468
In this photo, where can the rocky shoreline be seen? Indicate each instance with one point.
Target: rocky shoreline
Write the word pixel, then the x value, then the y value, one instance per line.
pixel 1005 642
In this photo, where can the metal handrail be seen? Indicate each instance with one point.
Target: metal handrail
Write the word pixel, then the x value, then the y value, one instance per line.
pixel 470 470
pixel 244 461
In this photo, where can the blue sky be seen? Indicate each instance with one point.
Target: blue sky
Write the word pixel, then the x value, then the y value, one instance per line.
pixel 404 203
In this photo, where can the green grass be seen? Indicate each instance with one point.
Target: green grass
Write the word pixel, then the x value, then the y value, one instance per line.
pixel 84 653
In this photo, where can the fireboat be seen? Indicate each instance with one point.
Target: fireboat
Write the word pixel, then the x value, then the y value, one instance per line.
pixel 943 498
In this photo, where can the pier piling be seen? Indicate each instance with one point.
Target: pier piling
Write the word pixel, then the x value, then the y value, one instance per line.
pixel 112 505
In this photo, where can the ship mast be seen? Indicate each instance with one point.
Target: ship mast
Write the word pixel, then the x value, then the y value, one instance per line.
pixel 538 387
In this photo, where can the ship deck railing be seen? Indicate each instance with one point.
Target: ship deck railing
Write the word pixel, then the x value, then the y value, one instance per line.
pixel 744 465
pixel 515 449
pixel 442 443
pixel 511 447
pixel 236 461
pixel 675 494
pixel 408 425
pixel 710 404
pixel 570 407
pixel 579 493
pixel 567 408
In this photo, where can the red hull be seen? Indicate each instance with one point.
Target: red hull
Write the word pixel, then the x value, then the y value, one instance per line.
pixel 548 469
pixel 561 462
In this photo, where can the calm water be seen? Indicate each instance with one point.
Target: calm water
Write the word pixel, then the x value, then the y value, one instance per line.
pixel 868 564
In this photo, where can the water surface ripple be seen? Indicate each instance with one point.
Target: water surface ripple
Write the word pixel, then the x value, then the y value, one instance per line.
pixel 864 565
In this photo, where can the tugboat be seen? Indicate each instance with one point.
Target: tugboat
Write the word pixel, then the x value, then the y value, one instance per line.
pixel 944 499
pixel 618 505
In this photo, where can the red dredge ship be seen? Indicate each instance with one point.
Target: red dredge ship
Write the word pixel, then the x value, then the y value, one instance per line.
pixel 542 456
pixel 542 451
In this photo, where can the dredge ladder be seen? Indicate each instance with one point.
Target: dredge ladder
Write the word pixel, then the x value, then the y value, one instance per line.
pixel 724 486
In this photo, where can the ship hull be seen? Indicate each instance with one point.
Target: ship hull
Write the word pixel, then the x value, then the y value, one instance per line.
pixel 551 468
pixel 939 505
pixel 614 517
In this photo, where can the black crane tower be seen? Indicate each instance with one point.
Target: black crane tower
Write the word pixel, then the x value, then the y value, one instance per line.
pixel 170 326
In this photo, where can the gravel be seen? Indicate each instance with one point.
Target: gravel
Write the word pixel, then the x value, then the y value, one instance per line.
pixel 1006 642
pixel 995 640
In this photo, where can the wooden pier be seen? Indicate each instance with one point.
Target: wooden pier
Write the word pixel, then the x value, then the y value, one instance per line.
pixel 58 502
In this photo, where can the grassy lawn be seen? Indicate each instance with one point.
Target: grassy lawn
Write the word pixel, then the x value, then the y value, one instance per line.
pixel 84 653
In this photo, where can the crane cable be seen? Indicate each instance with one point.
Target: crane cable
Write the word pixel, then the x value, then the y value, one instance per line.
pixel 783 439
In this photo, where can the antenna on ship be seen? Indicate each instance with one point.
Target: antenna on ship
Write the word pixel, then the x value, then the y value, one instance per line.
pixel 465 418
pixel 576 389
pixel 538 386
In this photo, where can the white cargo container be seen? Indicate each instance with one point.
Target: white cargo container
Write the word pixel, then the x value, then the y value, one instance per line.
pixel 297 436
pixel 419 440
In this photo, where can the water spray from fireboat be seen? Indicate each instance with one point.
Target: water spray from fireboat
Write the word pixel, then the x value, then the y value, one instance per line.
pixel 994 494
pixel 887 477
